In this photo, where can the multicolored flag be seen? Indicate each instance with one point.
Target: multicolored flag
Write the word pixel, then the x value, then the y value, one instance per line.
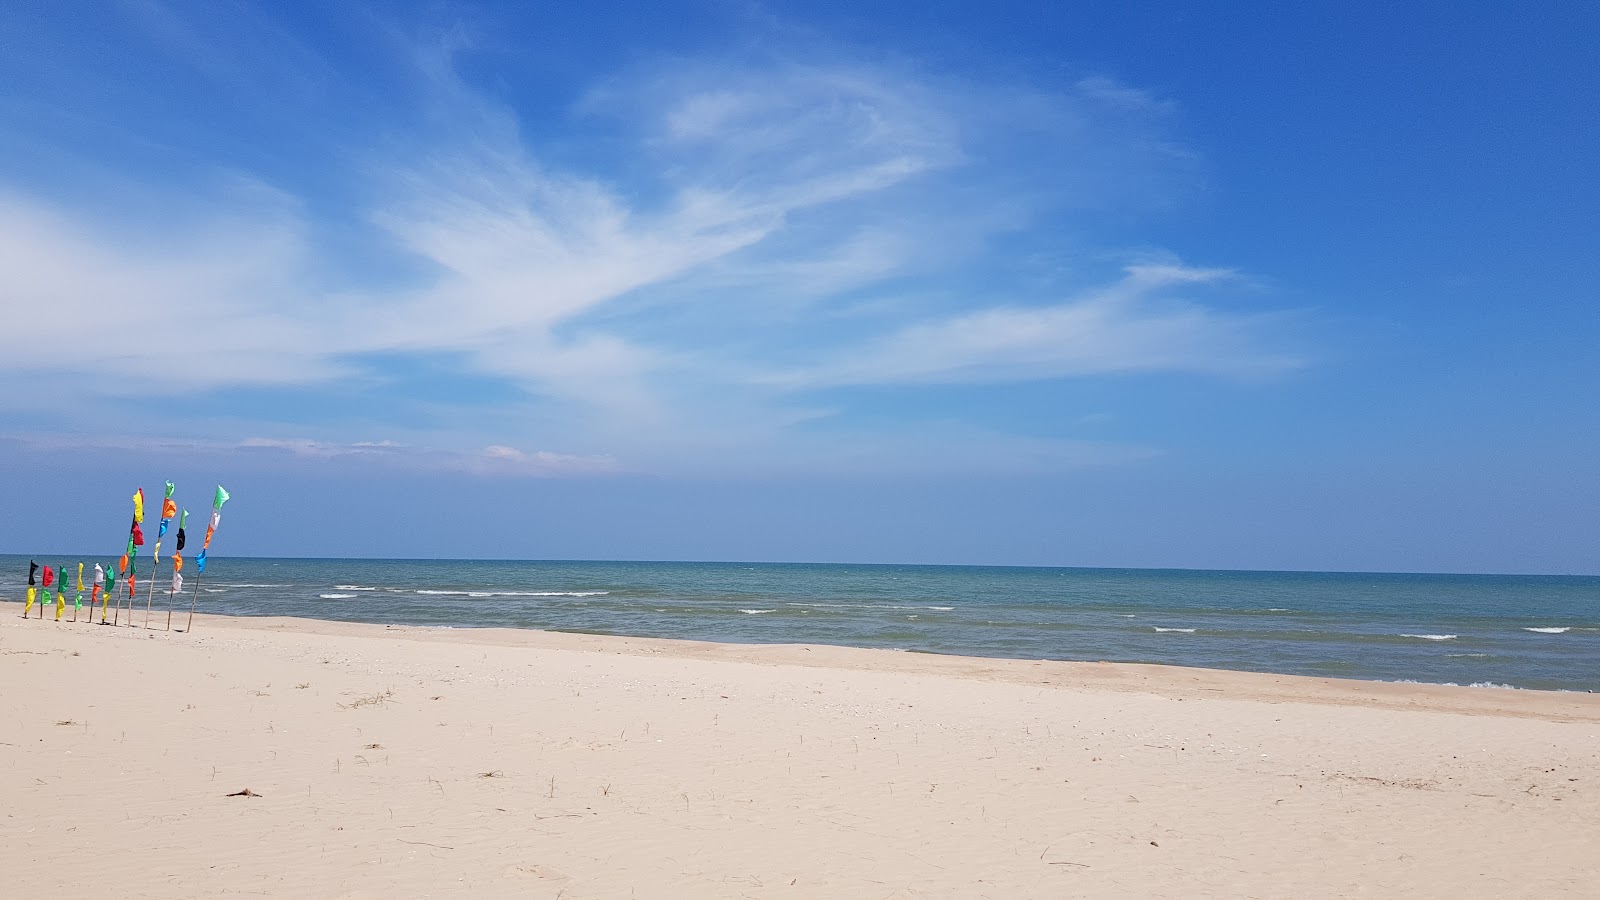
pixel 77 605
pixel 168 510
pixel 105 596
pixel 33 590
pixel 61 593
pixel 181 536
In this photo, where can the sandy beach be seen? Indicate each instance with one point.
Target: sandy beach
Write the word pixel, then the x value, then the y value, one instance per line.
pixel 409 762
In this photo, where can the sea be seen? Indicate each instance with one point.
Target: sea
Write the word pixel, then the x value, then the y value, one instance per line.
pixel 1492 631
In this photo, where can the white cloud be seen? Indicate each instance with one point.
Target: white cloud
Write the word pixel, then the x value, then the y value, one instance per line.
pixel 1124 328
pixel 650 302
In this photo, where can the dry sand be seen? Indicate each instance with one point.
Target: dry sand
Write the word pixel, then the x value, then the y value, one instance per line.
pixel 405 762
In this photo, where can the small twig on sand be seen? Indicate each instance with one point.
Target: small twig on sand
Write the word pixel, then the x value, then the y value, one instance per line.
pixel 244 793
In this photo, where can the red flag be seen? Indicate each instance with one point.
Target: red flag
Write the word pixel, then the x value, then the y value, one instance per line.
pixel 49 576
pixel 138 536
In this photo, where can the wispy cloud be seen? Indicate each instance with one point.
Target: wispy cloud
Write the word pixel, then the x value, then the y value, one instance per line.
pixel 491 460
pixel 1126 327
pixel 741 232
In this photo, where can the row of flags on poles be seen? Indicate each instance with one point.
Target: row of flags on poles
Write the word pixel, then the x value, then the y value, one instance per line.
pixel 103 587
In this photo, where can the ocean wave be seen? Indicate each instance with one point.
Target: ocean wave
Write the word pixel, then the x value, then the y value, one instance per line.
pixel 1181 630
pixel 215 590
pixel 481 594
pixel 756 612
pixel 1552 630
pixel 254 585
pixel 335 596
pixel 1432 637
pixel 1476 684
pixel 353 587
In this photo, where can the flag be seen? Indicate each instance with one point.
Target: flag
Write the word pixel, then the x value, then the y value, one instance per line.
pixel 111 583
pixel 177 562
pixel 138 506
pixel 80 576
pixel 122 564
pixel 137 535
pixel 99 574
pixel 28 606
pixel 182 519
pixel 200 561
pixel 49 577
pixel 221 498
pixel 77 605
pixel 177 581
pixel 32 568
pixel 168 510
pixel 61 595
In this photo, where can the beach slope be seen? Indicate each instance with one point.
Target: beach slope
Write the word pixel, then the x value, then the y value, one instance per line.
pixel 389 761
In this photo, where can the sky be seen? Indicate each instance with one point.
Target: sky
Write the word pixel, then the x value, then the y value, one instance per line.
pixel 1270 286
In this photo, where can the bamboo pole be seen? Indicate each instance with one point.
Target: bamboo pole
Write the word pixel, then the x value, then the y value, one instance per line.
pixel 170 592
pixel 195 599
pixel 149 597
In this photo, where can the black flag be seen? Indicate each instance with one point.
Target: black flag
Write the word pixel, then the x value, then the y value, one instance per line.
pixel 32 568
pixel 180 537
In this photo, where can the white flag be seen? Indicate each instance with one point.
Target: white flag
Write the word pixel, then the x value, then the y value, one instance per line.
pixel 177 582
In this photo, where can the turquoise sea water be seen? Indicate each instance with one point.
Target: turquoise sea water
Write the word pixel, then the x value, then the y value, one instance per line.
pixel 1521 631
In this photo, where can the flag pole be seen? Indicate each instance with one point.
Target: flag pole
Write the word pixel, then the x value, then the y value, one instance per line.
pixel 169 603
pixel 200 560
pixel 195 599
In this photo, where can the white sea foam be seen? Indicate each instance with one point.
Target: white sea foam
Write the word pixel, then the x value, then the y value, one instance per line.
pixel 1562 630
pixel 756 612
pixel 1432 637
pixel 481 594
pixel 1277 609
pixel 942 608
pixel 1126 616
pixel 216 590
pixel 1490 684
pixel 1183 630
pixel 353 587
pixel 336 596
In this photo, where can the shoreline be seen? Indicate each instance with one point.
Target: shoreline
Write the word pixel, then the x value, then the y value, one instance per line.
pixel 1161 679
pixel 415 761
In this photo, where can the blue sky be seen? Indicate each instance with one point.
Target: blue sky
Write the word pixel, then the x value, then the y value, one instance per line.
pixel 1275 286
